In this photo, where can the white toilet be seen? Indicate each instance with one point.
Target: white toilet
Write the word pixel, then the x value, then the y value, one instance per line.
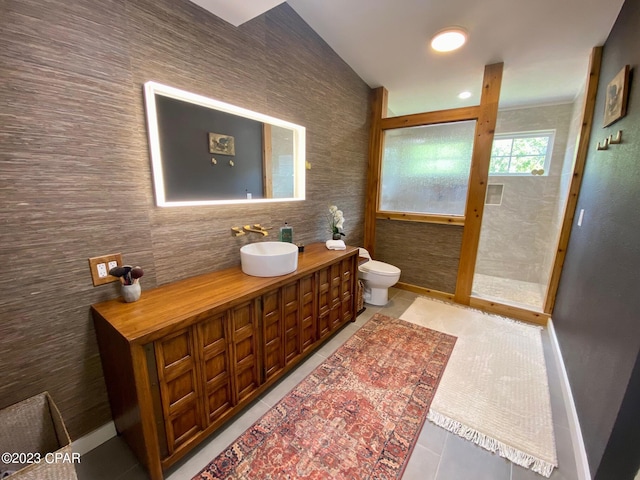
pixel 377 278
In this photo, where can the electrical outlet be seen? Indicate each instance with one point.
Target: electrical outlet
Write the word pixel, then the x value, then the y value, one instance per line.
pixel 102 270
pixel 100 267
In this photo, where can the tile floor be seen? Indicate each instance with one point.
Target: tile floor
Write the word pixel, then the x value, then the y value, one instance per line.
pixel 439 455
pixel 518 293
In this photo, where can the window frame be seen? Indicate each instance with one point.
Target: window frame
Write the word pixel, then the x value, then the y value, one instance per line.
pixel 550 133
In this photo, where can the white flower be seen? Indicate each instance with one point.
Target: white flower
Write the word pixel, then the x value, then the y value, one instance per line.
pixel 336 220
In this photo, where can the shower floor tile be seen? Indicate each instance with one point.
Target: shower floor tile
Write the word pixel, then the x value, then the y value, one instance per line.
pixel 527 295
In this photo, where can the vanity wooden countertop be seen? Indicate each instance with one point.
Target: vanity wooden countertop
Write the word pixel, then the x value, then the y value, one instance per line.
pixel 176 305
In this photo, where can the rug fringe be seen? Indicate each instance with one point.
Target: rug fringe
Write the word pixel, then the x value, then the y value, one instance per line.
pixel 513 454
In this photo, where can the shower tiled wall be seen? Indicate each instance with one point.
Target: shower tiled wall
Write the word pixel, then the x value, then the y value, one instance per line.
pixel 518 234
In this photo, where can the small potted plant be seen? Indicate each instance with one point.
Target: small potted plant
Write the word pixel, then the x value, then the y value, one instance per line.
pixel 336 222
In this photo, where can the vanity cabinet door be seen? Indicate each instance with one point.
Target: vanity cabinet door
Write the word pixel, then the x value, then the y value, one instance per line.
pixel 324 301
pixel 179 387
pixel 244 350
pixel 282 326
pixel 330 285
pixel 307 313
pixel 292 324
pixel 335 295
pixel 213 344
pixel 347 289
pixel 272 329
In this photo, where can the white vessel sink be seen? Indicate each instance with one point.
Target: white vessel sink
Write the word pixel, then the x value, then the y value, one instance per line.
pixel 269 259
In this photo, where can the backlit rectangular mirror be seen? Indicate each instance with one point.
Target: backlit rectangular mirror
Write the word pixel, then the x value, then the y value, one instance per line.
pixel 207 152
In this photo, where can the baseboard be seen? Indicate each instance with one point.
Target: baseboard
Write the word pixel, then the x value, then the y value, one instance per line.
pixel 94 439
pixel 582 464
pixel 427 292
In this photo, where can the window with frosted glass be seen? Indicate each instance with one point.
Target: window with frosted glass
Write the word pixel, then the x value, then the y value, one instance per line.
pixel 426 169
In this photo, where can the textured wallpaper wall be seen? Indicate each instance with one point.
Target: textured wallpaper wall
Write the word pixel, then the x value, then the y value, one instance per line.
pixel 428 254
pixel 75 176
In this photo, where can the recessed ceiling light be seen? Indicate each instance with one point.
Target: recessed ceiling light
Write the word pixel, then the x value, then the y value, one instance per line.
pixel 449 39
pixel 464 95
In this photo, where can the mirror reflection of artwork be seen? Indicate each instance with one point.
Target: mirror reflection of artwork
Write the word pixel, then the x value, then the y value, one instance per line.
pixel 617 94
pixel 221 144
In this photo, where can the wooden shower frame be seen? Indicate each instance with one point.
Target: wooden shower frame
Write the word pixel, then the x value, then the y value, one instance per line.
pixel 485 115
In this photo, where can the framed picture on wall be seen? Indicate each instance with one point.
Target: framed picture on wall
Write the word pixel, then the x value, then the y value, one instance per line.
pixel 222 144
pixel 617 96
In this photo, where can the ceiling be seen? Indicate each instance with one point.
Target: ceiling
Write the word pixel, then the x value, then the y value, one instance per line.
pixel 236 12
pixel 545 45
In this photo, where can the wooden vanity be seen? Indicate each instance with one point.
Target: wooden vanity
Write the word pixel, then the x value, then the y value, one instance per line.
pixel 188 356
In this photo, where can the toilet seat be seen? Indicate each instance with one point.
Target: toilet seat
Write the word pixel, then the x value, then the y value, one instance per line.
pixel 379 268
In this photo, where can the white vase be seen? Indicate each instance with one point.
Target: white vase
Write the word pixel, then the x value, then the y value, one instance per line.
pixel 131 293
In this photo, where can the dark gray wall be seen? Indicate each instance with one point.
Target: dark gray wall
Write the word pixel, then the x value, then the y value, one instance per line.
pixel 597 313
pixel 621 458
pixel 75 178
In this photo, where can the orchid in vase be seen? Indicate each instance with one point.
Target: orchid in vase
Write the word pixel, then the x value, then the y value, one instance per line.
pixel 336 222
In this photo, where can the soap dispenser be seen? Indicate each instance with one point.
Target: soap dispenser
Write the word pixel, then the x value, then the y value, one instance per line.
pixel 286 233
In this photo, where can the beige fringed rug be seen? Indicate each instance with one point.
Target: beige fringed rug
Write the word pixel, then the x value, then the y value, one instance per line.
pixel 494 391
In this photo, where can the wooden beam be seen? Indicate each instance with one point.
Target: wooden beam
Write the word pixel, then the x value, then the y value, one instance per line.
pixel 510 311
pixel 379 101
pixel 422 218
pixel 431 118
pixel 425 292
pixel 589 103
pixel 480 159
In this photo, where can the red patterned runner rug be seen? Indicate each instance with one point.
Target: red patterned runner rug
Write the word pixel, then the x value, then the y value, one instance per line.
pixel 356 416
